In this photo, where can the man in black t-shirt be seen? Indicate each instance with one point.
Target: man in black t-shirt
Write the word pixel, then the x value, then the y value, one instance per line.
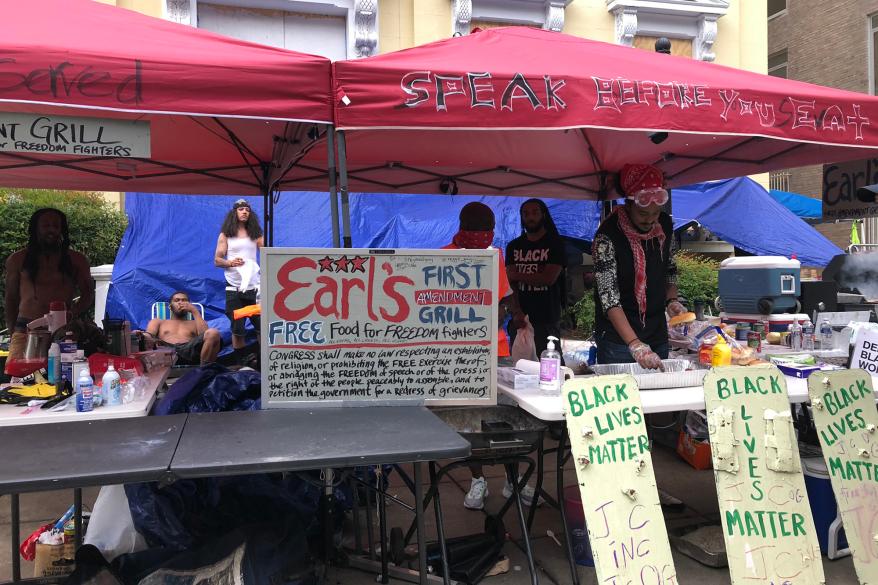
pixel 534 265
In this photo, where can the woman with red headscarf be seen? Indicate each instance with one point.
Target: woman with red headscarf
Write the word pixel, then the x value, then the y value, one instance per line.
pixel 635 273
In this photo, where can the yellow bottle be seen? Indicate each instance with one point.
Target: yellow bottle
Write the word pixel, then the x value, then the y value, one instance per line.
pixel 721 354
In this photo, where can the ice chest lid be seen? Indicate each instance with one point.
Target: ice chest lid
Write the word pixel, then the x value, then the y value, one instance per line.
pixel 774 318
pixel 752 262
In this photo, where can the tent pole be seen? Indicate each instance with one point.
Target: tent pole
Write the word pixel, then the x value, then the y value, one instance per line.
pixel 268 206
pixel 343 176
pixel 333 185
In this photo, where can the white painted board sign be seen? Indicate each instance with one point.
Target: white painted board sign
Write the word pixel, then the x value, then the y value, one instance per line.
pixel 843 405
pixel 77 136
pixel 865 354
pixel 614 470
pixel 360 327
pixel 766 517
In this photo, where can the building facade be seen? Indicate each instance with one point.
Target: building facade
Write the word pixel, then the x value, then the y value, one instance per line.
pixel 728 32
pixel 832 44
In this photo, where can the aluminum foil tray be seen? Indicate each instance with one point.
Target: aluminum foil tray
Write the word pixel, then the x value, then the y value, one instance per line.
pixel 675 375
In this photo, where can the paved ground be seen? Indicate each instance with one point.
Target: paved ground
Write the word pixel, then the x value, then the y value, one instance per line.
pixel 674 476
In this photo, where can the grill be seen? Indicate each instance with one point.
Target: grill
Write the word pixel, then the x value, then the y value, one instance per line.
pixel 494 431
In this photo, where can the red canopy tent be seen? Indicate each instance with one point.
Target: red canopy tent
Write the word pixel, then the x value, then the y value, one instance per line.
pixel 225 116
pixel 518 111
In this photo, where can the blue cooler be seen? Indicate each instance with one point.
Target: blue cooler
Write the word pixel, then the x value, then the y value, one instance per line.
pixel 827 521
pixel 760 284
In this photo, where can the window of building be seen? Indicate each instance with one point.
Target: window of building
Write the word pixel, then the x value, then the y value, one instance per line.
pixel 776 8
pixel 777 64
pixel 873 58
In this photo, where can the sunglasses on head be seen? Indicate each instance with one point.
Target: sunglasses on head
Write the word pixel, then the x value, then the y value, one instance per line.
pixel 650 197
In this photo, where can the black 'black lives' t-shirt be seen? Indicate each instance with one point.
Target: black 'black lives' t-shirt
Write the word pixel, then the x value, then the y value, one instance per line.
pixel 541 303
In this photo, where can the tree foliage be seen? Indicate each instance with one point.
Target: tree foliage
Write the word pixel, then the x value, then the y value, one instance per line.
pixel 697 280
pixel 96 226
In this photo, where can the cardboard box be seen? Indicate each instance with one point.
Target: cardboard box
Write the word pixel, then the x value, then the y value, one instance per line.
pixel 518 379
pixel 797 370
pixel 695 452
pixel 54 560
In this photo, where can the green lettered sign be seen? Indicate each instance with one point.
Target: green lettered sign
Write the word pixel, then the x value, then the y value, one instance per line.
pixel 843 404
pixel 614 467
pixel 766 518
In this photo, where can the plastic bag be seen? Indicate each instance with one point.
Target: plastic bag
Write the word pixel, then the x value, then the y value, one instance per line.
pixel 111 528
pixel 523 347
pixel 28 548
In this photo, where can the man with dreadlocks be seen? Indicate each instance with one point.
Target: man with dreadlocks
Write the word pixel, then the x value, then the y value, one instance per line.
pixel 635 273
pixel 239 242
pixel 534 265
pixel 45 271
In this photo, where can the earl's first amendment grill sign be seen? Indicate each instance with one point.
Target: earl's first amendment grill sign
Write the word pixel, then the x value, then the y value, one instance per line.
pixel 66 135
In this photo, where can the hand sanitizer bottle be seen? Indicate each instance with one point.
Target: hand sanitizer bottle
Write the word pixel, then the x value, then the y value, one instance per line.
pixel 550 369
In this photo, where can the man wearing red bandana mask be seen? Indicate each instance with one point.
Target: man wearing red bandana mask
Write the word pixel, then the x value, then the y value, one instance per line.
pixel 476 233
pixel 635 273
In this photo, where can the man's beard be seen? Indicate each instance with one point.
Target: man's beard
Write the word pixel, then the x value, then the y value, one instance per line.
pixel 47 248
pixel 534 229
pixel 178 314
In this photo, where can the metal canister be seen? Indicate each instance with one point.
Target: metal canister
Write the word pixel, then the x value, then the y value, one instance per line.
pixel 759 327
pixel 754 341
pixel 741 331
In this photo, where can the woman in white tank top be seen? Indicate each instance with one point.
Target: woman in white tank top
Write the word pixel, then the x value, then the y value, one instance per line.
pixel 237 251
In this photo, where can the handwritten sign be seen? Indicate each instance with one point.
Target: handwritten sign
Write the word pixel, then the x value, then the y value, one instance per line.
pixel 766 518
pixel 608 439
pixel 865 354
pixel 49 134
pixel 840 184
pixel 345 326
pixel 843 404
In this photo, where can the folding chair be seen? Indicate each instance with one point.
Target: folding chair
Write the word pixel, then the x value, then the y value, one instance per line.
pixel 162 310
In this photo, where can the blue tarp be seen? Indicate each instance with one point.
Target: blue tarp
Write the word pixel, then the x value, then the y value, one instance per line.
pixel 171 239
pixel 741 212
pixel 804 207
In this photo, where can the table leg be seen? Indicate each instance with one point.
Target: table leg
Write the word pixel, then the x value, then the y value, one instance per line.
pixel 512 477
pixel 440 525
pixel 382 532
pixel 326 505
pixel 538 488
pixel 571 559
pixel 370 542
pixel 15 536
pixel 419 516
pixel 355 495
pixel 77 518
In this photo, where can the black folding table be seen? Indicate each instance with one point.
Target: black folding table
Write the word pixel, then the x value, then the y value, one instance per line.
pixel 84 453
pixel 233 443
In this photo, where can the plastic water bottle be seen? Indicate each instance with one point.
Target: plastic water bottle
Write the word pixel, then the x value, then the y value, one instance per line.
pixel 112 386
pixel 550 369
pixel 826 335
pixel 84 392
pixel 808 336
pixel 796 336
pixel 54 366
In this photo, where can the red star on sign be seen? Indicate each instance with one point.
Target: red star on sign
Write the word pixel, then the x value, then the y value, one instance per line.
pixel 358 264
pixel 341 265
pixel 325 264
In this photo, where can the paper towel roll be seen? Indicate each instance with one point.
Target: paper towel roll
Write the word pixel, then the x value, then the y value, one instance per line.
pixel 532 367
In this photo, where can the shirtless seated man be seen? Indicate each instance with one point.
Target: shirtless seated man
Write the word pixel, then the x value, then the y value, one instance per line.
pixel 46 270
pixel 193 341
